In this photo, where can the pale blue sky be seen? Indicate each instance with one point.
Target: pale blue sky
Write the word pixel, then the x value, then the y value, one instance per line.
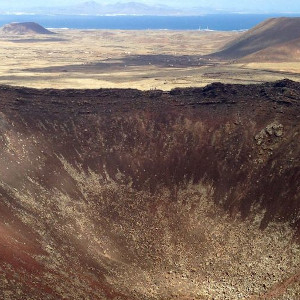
pixel 263 5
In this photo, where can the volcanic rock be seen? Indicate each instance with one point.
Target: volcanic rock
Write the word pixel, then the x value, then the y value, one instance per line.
pixel 116 194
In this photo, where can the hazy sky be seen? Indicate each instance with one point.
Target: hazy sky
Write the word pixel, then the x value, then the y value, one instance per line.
pixel 265 5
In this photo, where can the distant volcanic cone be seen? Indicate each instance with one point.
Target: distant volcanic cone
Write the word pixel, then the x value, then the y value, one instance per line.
pixel 275 39
pixel 24 28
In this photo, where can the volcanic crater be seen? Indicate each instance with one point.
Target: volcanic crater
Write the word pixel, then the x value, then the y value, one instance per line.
pixel 128 194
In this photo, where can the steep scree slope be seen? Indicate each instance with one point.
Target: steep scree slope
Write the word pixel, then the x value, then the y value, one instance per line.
pixel 123 194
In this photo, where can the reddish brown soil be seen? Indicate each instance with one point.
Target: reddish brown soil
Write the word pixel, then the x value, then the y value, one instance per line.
pixel 93 183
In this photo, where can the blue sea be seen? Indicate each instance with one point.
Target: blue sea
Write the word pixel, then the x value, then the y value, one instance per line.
pixel 226 22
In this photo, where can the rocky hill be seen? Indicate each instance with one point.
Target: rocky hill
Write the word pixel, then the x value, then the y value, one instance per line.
pixel 270 40
pixel 24 29
pixel 124 194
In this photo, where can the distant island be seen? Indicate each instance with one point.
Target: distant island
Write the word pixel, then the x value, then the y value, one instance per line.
pixel 121 8
pixel 148 8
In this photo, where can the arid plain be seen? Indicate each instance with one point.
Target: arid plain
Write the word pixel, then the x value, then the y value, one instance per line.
pixel 144 60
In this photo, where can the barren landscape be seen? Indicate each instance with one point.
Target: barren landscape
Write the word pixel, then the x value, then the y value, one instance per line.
pixel 145 60
pixel 119 181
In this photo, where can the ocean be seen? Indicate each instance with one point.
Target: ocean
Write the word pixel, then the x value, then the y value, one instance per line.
pixel 223 22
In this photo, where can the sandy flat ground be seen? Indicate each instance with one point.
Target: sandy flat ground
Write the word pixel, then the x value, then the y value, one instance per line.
pixel 160 59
